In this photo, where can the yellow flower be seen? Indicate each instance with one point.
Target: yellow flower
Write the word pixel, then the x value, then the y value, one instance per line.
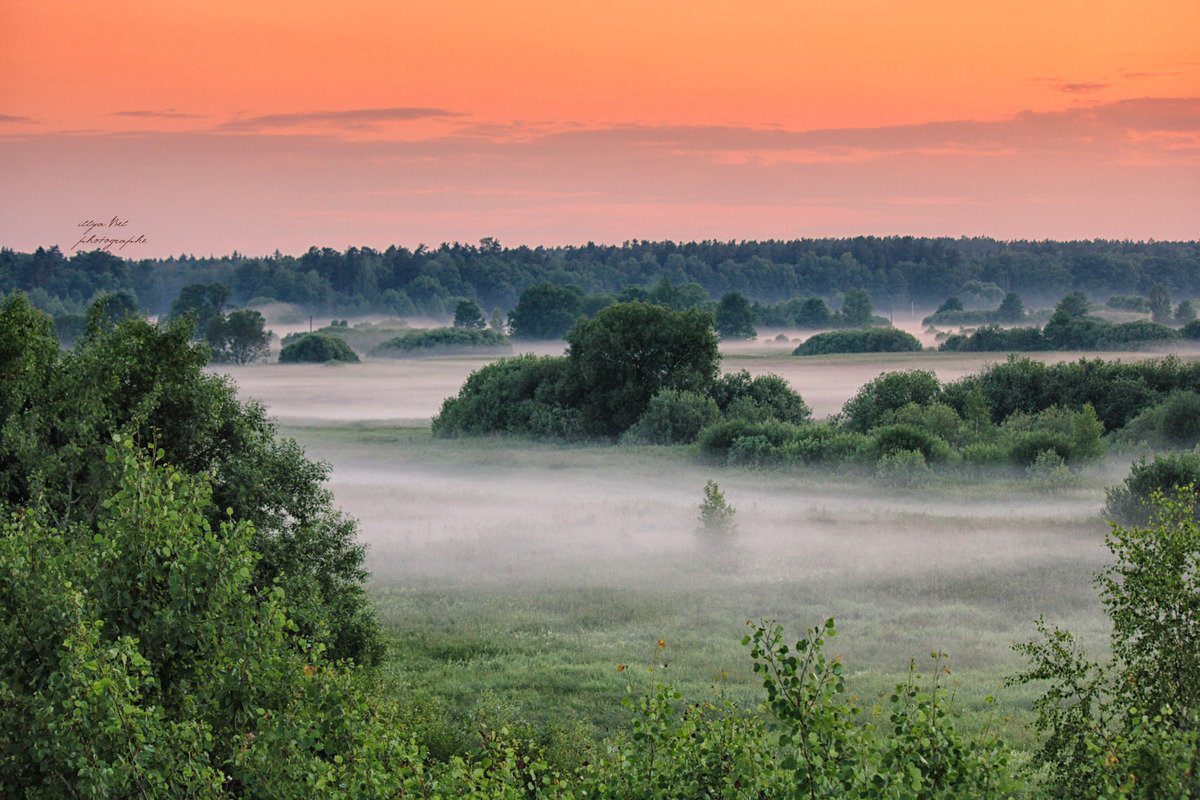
pixel 662 643
pixel 620 667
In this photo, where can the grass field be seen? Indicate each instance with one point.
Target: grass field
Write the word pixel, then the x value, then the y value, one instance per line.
pixel 515 577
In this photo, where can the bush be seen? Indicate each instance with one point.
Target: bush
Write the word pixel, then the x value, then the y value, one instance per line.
pixel 1025 448
pixel 1133 502
pixel 870 340
pixel 531 395
pixel 889 392
pixel 769 393
pixel 674 417
pixel 1180 421
pixel 716 515
pixel 1049 473
pixel 717 439
pixel 992 338
pixel 441 341
pixel 892 439
pixel 903 469
pixel 317 348
pixel 1191 330
pixel 1127 727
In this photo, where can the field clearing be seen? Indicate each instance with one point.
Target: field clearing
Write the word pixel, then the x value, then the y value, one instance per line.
pixel 515 576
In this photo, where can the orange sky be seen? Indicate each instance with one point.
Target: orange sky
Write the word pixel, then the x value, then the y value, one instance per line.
pixel 253 126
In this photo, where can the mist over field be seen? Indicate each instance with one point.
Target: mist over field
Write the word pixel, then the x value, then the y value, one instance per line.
pixel 964 567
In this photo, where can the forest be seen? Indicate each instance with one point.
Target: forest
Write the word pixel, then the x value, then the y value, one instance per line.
pixel 898 272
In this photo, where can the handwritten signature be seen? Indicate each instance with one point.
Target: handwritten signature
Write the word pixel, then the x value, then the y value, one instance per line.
pixel 102 239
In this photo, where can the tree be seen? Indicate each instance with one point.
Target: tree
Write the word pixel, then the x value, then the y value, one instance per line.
pixel 115 306
pixel 951 303
pixel 200 303
pixel 545 311
pixel 629 352
pixel 735 318
pixel 238 338
pixel 814 313
pixel 61 410
pixel 857 308
pixel 1160 304
pixel 1011 308
pixel 1184 313
pixel 1072 306
pixel 468 314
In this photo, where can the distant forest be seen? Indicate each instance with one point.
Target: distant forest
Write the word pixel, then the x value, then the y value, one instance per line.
pixel 896 271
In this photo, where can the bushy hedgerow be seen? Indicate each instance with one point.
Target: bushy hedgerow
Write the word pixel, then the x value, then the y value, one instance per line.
pixel 992 338
pixel 1126 302
pixel 1173 422
pixel 436 341
pixel 1081 333
pixel 317 348
pixel 673 417
pixel 869 340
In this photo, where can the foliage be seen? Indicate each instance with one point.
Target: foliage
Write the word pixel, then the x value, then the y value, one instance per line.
pixel 468 314
pixel 545 311
pixel 435 341
pixel 317 348
pixel 629 352
pixel 991 338
pixel 200 303
pixel 1124 302
pixel 870 340
pixel 1172 475
pixel 1128 726
pixel 891 439
pixel 915 752
pixel 239 338
pixel 903 468
pixel 889 392
pixel 857 307
pixel 59 411
pixel 814 312
pixel 674 417
pixel 734 318
pixel 1011 308
pixel 1185 313
pixel 770 394
pixel 1191 330
pixel 1160 304
pixel 716 515
pixel 532 395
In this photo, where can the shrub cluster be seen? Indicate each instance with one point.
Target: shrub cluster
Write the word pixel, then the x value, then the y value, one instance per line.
pixel 317 348
pixel 869 340
pixel 1086 333
pixel 437 341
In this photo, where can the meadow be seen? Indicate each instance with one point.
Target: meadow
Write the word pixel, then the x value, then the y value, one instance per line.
pixel 522 580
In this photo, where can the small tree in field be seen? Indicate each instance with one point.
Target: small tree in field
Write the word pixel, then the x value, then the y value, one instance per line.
pixel 468 314
pixel 716 515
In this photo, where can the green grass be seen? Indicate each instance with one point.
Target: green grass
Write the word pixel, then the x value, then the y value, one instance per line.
pixel 545 652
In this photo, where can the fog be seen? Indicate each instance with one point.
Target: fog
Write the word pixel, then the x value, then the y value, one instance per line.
pixel 507 516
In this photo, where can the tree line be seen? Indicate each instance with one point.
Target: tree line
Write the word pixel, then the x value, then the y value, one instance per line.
pixel 896 271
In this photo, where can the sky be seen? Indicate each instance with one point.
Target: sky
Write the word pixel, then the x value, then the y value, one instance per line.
pixel 213 127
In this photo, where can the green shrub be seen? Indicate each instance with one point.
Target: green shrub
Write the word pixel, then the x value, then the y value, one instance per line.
pixel 531 395
pixel 1127 726
pixel 716 515
pixel 1025 447
pixel 1133 502
pixel 1049 472
pixel 891 439
pixel 869 340
pixel 1180 421
pixel 992 338
pixel 891 391
pixel 717 439
pixel 317 348
pixel 674 417
pixel 1191 330
pixel 441 341
pixel 767 396
pixel 903 469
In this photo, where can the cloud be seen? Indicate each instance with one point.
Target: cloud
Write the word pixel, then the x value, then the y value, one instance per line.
pixel 14 118
pixel 347 119
pixel 168 113
pixel 1082 88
